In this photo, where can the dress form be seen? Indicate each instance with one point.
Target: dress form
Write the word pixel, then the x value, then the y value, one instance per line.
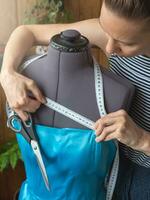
pixel 66 75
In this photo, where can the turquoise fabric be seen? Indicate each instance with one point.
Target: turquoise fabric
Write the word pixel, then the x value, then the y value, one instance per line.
pixel 76 165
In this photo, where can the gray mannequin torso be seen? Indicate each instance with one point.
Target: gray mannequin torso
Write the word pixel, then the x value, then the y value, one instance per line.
pixel 68 78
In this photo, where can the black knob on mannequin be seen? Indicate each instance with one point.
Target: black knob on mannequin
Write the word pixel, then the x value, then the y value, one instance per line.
pixel 69 41
pixel 70 35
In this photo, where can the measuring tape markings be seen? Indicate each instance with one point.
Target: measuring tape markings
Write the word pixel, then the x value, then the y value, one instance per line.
pixel 101 106
pixel 69 113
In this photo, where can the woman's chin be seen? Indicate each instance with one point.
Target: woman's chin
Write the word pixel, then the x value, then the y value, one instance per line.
pixel 128 55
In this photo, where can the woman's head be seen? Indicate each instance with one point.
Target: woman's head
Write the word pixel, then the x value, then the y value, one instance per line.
pixel 130 9
pixel 127 26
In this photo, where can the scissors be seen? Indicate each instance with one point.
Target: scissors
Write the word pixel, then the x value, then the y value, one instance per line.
pixel 27 131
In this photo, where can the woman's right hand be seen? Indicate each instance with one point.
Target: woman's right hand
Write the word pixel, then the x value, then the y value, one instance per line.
pixel 16 88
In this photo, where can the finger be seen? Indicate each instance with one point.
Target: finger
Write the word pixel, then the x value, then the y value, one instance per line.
pixel 17 102
pixel 26 104
pixel 95 126
pixel 36 92
pixel 120 112
pixel 104 122
pixel 110 137
pixel 22 114
pixel 32 105
pixel 106 131
pixel 99 129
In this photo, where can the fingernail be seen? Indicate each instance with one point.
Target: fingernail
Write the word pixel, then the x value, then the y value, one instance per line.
pixel 43 100
pixel 25 118
pixel 96 132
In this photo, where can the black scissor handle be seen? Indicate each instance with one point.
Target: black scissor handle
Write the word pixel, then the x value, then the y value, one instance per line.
pixel 15 123
pixel 28 123
pixel 19 126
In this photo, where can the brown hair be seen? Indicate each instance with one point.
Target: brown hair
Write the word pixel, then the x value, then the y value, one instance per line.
pixel 131 9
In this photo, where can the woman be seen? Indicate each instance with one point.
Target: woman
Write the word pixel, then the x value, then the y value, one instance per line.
pixel 122 32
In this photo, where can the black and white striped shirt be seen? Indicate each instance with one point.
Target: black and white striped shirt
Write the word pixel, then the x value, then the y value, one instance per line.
pixel 137 70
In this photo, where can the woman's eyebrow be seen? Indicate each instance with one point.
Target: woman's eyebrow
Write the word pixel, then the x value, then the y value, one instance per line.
pixel 121 41
pixel 129 43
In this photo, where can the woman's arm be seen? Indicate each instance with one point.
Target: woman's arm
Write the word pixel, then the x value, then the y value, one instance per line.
pixel 20 41
pixel 26 36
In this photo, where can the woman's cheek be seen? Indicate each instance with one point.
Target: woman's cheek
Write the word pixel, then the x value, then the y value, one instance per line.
pixel 130 51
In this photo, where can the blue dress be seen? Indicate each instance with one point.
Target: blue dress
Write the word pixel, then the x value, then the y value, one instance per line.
pixel 76 165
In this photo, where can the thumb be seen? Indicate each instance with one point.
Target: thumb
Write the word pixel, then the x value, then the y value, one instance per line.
pixel 22 114
pixel 36 93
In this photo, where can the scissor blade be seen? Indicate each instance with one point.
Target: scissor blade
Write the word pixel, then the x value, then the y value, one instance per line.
pixel 37 152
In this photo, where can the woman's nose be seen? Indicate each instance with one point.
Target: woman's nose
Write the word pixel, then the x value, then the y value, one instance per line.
pixel 112 47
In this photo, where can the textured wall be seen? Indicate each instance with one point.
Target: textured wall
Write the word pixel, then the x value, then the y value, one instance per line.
pixel 11 16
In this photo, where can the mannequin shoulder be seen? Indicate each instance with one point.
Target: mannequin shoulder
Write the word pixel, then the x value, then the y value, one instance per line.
pixel 89 28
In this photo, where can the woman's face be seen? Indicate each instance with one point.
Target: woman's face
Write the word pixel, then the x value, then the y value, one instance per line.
pixel 125 38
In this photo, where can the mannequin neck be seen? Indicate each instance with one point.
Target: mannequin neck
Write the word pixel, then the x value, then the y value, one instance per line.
pixel 69 61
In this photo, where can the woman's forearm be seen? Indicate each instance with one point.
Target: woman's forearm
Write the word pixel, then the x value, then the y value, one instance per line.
pixel 144 143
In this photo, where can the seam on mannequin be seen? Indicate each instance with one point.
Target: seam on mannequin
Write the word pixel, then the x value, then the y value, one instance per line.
pixel 56 97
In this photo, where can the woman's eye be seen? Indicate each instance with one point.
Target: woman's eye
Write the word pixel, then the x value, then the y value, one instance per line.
pixel 128 44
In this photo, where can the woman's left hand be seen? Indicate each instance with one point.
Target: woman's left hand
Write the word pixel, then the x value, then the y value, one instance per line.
pixel 119 125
